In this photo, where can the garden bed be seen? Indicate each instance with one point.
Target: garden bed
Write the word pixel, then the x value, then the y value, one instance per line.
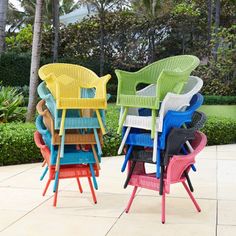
pixel 17 143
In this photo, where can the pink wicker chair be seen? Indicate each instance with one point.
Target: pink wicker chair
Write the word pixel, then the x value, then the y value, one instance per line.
pixel 174 174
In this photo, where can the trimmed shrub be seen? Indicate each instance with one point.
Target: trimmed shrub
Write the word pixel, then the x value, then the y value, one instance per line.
pixel 219 100
pixel 220 130
pixel 17 144
pixel 15 69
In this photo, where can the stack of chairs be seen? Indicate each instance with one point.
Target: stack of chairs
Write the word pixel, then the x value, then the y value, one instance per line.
pixel 71 123
pixel 149 118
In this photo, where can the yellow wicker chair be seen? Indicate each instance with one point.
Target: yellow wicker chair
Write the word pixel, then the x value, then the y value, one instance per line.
pixel 66 82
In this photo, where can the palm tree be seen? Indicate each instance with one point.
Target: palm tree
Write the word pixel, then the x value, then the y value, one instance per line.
pixel 101 7
pixel 3 19
pixel 56 26
pixel 35 60
pixel 151 9
pixel 16 17
pixel 67 6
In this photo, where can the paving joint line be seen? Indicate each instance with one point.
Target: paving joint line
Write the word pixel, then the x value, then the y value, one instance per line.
pixel 17 174
pixel 120 216
pixel 8 226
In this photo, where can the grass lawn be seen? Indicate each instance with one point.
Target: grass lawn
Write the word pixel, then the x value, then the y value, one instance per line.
pixel 228 111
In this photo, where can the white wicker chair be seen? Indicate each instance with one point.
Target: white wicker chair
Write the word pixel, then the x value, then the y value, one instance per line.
pixel 175 102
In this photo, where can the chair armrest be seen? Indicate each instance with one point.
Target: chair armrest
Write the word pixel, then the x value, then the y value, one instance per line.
pixel 39 108
pixel 170 81
pixel 101 86
pixel 127 82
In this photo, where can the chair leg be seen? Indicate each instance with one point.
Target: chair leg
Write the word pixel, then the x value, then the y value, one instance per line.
pixel 127 156
pixel 131 199
pixel 98 142
pixel 62 125
pixel 44 163
pixel 188 181
pixel 100 122
pixel 92 190
pixel 158 163
pixel 44 173
pixel 95 156
pixel 55 195
pixel 79 184
pixel 122 120
pixel 162 180
pixel 192 197
pixel 46 187
pixel 93 176
pixel 155 146
pixel 163 207
pixel 124 140
pixel 153 124
pixel 130 174
pixel 57 170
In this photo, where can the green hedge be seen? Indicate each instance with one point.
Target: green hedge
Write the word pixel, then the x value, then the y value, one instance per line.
pixel 15 69
pixel 220 130
pixel 219 100
pixel 17 144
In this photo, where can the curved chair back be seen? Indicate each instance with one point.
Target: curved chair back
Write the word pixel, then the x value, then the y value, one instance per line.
pixel 198 120
pixel 179 102
pixel 67 81
pixel 43 148
pixel 42 129
pixel 71 70
pixel 179 163
pixel 177 119
pixel 174 142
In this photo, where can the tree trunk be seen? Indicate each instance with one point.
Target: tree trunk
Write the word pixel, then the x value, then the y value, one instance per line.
pixel 102 54
pixel 217 25
pixel 56 25
pixel 152 50
pixel 3 18
pixel 35 61
pixel 209 20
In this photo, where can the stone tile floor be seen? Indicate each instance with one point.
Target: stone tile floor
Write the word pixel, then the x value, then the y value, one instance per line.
pixel 24 212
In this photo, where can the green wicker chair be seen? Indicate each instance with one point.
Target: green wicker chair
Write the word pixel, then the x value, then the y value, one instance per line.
pixel 169 75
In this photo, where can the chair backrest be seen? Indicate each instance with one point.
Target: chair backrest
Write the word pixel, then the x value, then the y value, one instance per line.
pixel 70 70
pixel 179 163
pixel 45 133
pixel 177 119
pixel 182 63
pixel 174 142
pixel 73 78
pixel 41 145
pixel 198 120
pixel 179 102
pixel 45 94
